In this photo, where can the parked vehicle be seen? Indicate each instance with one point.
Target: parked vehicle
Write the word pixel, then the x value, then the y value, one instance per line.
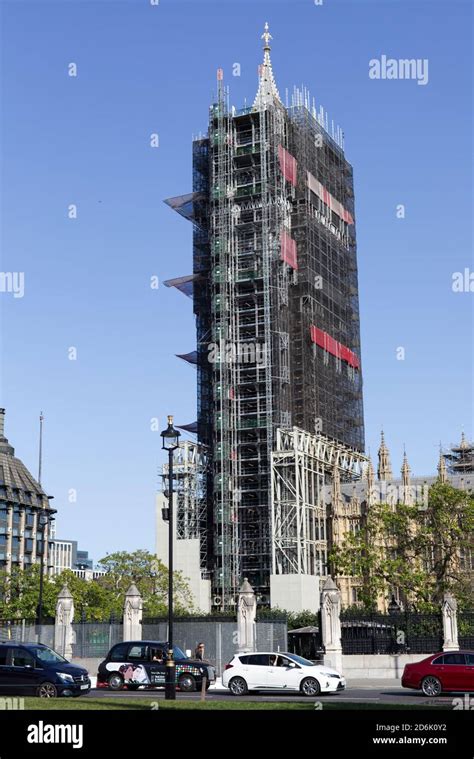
pixel 279 671
pixel 451 671
pixel 36 670
pixel 143 663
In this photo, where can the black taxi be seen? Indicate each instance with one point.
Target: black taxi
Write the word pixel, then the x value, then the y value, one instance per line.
pixel 143 663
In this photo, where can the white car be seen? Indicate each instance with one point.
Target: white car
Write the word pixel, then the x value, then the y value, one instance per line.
pixel 279 671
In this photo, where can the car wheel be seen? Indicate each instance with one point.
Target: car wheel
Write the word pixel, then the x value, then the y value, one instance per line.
pixel 187 683
pixel 431 686
pixel 115 681
pixel 310 687
pixel 238 686
pixel 47 690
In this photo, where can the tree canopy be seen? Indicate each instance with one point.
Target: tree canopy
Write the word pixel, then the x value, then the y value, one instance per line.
pixel 413 548
pixel 99 599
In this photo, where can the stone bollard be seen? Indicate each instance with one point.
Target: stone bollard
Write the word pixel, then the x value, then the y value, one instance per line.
pixel 331 624
pixel 246 614
pixel 450 623
pixel 63 631
pixel 132 614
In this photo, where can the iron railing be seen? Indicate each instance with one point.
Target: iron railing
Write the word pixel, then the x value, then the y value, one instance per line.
pixel 405 632
pixel 466 629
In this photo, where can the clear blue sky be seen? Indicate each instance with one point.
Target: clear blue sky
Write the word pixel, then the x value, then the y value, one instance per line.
pixel 85 140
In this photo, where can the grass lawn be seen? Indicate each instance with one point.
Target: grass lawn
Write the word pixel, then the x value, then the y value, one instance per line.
pixel 145 704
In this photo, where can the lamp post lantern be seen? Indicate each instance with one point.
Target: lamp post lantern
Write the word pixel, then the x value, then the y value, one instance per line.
pixel 170 438
pixel 394 607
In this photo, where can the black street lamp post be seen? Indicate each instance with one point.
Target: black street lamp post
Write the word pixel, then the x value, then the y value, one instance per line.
pixel 43 520
pixel 170 438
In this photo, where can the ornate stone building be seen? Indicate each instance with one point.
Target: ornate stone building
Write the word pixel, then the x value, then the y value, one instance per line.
pixel 349 503
pixel 25 512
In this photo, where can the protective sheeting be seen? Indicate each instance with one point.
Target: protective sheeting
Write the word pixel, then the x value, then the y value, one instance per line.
pixel 190 206
pixel 329 200
pixel 193 427
pixel 191 357
pixel 288 249
pixel 288 165
pixel 183 284
pixel 334 347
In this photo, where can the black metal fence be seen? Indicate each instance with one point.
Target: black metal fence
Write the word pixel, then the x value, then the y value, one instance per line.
pixel 27 631
pixel 306 642
pixel 95 639
pixel 219 635
pixel 402 633
pixel 466 629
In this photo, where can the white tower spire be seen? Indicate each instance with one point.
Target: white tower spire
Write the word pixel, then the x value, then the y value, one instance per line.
pixel 267 92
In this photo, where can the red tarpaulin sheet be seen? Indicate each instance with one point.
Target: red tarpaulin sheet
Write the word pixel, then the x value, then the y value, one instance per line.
pixel 328 199
pixel 288 165
pixel 288 249
pixel 321 338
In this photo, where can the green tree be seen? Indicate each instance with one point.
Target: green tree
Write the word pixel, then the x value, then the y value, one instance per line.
pixel 95 600
pixel 19 594
pixel 151 578
pixel 412 548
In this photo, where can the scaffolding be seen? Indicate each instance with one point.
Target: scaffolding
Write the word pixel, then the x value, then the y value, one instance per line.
pixel 190 488
pixel 460 457
pixel 327 390
pixel 276 302
pixel 303 465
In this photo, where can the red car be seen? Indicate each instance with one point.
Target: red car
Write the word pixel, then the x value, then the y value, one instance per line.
pixel 451 671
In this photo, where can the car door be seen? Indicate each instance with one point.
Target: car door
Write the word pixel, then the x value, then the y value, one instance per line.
pixel 454 671
pixel 468 679
pixel 22 674
pixel 437 669
pixel 284 674
pixel 157 664
pixel 138 660
pixel 254 670
pixel 4 669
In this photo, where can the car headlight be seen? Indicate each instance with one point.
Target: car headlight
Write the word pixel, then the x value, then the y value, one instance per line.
pixel 329 674
pixel 64 677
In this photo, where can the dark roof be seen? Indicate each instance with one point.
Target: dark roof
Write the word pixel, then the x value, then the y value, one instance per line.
pixel 13 473
pixel 17 644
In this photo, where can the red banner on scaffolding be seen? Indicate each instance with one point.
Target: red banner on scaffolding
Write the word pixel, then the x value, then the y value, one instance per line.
pixel 328 199
pixel 288 249
pixel 288 165
pixel 329 344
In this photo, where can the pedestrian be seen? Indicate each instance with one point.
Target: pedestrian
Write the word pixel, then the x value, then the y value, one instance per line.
pixel 199 652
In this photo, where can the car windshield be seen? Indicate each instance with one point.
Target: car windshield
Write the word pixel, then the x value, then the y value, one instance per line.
pixel 300 660
pixel 47 655
pixel 177 652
